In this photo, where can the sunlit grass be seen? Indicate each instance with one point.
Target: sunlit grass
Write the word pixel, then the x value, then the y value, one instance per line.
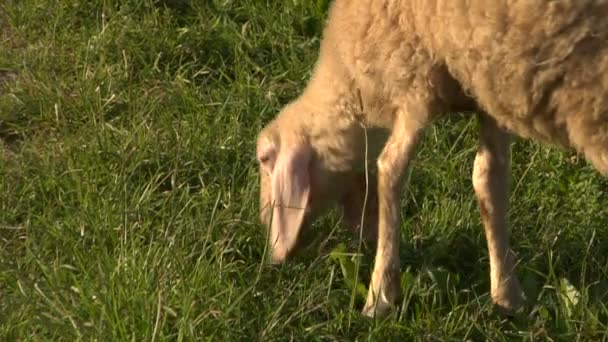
pixel 128 192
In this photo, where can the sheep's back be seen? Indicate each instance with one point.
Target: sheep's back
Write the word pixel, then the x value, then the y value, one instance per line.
pixel 539 67
pixel 533 65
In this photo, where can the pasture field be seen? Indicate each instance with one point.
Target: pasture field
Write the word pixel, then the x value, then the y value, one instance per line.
pixel 129 193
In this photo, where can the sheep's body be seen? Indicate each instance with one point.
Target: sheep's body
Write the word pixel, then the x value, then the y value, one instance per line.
pixel 537 68
pixel 540 68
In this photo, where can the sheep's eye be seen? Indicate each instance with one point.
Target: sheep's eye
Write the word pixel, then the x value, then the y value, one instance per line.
pixel 263 159
pixel 266 154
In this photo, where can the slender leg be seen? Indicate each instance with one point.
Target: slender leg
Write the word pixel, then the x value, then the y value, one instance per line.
pixel 394 159
pixel 491 184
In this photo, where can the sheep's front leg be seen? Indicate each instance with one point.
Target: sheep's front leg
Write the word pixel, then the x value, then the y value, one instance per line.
pixel 490 181
pixel 399 149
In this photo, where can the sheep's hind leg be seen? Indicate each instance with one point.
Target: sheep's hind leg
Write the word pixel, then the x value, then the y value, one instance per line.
pixel 490 181
pixel 399 149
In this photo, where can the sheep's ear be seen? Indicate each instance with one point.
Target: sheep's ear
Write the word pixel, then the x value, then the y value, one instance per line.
pixel 355 202
pixel 290 179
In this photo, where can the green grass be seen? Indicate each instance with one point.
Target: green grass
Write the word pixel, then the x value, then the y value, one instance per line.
pixel 128 192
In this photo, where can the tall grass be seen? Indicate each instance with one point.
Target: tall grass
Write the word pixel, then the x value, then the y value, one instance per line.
pixel 128 192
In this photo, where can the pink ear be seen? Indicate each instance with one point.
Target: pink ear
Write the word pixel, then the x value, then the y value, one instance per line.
pixel 290 192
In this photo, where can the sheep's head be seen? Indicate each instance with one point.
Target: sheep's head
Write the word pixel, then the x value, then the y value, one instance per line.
pixel 297 186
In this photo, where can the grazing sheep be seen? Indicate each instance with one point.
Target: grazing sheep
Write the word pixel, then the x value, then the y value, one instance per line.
pixel 536 68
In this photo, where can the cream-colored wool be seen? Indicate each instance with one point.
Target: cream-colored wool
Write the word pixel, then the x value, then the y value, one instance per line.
pixel 535 68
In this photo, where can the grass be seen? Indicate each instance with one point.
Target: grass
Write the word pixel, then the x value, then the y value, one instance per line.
pixel 128 192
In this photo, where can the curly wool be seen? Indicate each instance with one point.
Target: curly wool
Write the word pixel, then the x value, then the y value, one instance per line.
pixel 539 68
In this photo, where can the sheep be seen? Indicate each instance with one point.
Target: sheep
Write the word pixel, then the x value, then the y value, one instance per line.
pixel 386 70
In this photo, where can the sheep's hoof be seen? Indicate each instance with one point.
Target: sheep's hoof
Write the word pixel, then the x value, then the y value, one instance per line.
pixel 377 309
pixel 508 298
pixel 380 305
